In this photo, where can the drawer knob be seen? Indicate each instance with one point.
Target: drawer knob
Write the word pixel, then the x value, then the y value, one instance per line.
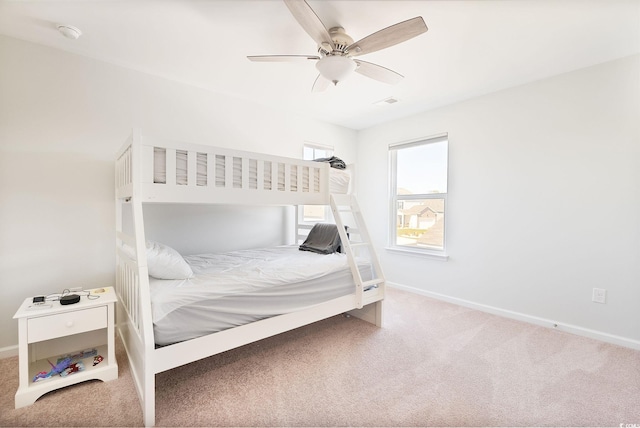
pixel 69 324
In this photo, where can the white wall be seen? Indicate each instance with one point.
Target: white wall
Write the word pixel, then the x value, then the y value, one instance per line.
pixel 220 227
pixel 544 200
pixel 62 118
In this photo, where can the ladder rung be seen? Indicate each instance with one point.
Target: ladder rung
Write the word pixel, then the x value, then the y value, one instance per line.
pixel 375 281
pixel 358 244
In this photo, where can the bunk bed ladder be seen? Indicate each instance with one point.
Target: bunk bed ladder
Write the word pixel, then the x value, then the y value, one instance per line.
pixel 348 204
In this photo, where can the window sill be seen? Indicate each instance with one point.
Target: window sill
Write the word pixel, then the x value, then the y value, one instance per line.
pixel 419 253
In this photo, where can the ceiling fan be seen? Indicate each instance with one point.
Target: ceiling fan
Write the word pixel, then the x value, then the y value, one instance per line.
pixel 336 50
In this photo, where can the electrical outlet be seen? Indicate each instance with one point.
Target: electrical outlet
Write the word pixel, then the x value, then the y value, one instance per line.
pixel 599 295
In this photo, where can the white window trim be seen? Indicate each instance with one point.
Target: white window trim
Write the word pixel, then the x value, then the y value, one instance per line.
pixel 433 253
pixel 316 146
pixel 300 208
pixel 429 254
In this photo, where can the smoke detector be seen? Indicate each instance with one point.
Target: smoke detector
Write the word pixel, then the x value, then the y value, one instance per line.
pixel 69 31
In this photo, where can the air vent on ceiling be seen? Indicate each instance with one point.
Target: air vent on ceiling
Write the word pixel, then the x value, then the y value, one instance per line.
pixel 387 101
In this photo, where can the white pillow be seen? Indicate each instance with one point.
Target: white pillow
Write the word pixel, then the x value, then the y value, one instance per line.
pixel 163 262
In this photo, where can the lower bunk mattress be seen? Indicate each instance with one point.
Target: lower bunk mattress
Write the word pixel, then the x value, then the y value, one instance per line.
pixel 239 287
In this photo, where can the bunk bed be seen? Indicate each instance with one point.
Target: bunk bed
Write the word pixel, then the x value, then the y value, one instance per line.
pixel 154 170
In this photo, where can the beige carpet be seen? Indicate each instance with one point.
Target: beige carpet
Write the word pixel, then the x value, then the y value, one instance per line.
pixel 433 364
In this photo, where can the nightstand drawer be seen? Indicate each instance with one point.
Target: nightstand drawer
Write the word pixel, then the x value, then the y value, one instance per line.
pixel 59 325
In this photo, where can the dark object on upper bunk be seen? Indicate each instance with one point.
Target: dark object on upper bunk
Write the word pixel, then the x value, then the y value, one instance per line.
pixel 333 161
pixel 323 239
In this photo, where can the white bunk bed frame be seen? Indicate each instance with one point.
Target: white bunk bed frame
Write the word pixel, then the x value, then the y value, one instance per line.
pixel 135 186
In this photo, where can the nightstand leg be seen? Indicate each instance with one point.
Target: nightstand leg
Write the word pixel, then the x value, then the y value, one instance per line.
pixel 23 365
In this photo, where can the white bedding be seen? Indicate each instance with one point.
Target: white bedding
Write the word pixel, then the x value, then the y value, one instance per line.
pixel 239 287
pixel 338 179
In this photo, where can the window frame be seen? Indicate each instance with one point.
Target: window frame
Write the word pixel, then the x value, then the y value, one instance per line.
pixel 394 198
pixel 314 147
pixel 327 212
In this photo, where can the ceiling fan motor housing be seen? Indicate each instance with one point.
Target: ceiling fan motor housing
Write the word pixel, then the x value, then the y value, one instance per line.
pixel 341 41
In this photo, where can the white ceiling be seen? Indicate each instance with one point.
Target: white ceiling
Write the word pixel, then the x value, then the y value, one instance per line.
pixel 471 48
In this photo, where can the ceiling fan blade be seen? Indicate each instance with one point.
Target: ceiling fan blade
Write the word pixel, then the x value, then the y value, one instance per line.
pixel 321 84
pixel 282 58
pixel 310 22
pixel 389 36
pixel 378 72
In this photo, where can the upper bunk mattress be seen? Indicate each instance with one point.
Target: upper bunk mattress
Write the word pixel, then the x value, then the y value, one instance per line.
pixel 236 288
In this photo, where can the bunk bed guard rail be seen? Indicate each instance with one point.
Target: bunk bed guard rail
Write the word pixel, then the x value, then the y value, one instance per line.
pixel 181 172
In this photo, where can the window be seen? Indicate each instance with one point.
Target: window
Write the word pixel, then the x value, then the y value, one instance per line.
pixel 419 195
pixel 314 151
pixel 315 213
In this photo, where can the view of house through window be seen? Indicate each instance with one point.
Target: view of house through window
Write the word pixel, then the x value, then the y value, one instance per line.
pixel 315 213
pixel 419 194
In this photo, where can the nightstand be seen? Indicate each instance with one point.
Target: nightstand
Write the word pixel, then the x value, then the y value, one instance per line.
pixel 45 334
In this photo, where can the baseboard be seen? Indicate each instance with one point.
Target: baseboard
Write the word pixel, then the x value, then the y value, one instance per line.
pixel 9 351
pixel 574 329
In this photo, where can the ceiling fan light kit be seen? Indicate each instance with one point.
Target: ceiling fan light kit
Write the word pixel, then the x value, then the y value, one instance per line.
pixel 336 68
pixel 336 48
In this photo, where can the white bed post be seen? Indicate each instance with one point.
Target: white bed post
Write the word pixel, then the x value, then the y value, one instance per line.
pixel 148 374
pixel 147 371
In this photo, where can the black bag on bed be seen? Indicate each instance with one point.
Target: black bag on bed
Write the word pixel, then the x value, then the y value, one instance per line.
pixel 333 161
pixel 323 239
